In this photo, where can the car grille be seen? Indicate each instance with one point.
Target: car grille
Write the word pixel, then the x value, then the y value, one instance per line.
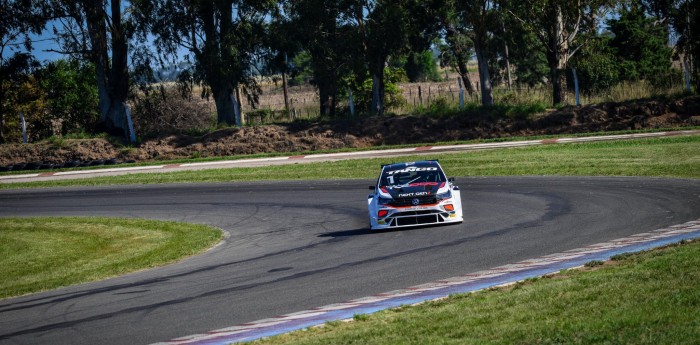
pixel 417 218
pixel 426 200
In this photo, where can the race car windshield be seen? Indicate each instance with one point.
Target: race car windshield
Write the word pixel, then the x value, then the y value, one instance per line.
pixel 412 176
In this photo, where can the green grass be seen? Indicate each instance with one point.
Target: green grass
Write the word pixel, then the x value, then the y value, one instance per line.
pixel 46 253
pixel 195 158
pixel 647 298
pixel 664 157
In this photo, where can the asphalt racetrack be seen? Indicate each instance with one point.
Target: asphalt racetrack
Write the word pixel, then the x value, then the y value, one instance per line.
pixel 292 246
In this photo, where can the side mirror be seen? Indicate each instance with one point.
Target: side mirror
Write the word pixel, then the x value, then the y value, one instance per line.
pixel 372 187
pixel 450 179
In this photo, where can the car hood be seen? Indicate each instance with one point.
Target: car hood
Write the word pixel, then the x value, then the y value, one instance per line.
pixel 413 190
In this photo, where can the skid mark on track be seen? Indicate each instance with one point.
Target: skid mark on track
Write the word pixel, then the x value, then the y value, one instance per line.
pixel 465 283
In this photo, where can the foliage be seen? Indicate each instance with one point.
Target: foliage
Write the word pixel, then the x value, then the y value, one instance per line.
pixel 640 46
pixel 439 107
pixel 685 18
pixel 27 98
pixel 362 89
pixel 223 39
pixel 19 19
pixel 455 46
pixel 301 70
pixel 478 17
pixel 558 25
pixel 71 95
pixel 327 42
pixel 596 66
pixel 526 55
pixel 386 29
pixel 315 26
pixel 165 110
pixel 57 99
pixel 102 33
pixel 422 67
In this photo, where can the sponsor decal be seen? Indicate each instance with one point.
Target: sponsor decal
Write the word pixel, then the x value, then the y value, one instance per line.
pixel 420 184
pixel 411 169
pixel 410 195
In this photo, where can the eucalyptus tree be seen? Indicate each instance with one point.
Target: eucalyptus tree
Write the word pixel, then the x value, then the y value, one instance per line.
pixel 100 31
pixel 384 28
pixel 457 49
pixel 223 40
pixel 557 25
pixel 641 46
pixel 476 16
pixel 685 18
pixel 19 20
pixel 315 26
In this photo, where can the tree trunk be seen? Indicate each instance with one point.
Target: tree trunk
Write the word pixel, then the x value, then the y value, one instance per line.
pixel 559 95
pixel 509 78
pixel 119 79
pixel 284 87
pixel 461 57
pixel 112 83
pixel 378 93
pixel 484 76
pixel 557 56
pixel 327 97
pixel 464 74
pixel 2 116
pixel 224 106
pixel 324 100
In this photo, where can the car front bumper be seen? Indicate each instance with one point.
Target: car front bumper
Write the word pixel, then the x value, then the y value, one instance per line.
pixel 415 216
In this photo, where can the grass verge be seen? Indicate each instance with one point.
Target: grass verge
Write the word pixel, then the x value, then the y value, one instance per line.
pixel 664 157
pixel 45 253
pixel 348 149
pixel 646 298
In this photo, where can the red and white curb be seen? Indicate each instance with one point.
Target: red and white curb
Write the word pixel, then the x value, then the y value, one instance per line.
pixel 328 157
pixel 496 276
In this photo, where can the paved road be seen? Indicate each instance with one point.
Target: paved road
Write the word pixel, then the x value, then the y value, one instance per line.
pixel 296 245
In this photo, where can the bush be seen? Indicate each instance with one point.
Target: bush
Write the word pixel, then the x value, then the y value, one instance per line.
pixel 362 90
pixel 439 107
pixel 166 111
pixel 71 96
pixel 422 67
pixel 596 67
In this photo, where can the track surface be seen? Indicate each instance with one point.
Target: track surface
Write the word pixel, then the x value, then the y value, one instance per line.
pixel 297 245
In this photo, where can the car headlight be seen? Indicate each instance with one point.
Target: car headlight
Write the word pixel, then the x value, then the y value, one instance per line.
pixel 384 201
pixel 443 196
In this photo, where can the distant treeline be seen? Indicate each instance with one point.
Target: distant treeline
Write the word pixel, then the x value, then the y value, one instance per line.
pixel 116 52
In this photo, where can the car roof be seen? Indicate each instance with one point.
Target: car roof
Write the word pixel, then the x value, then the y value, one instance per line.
pixel 410 164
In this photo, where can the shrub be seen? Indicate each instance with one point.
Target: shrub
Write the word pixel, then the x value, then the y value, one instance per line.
pixel 362 89
pixel 166 111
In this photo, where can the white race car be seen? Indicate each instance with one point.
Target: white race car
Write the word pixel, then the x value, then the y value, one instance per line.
pixel 413 194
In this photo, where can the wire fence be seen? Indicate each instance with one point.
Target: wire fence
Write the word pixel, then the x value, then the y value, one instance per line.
pixel 304 102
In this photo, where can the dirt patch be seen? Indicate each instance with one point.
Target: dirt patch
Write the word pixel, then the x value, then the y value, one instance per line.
pixel 365 132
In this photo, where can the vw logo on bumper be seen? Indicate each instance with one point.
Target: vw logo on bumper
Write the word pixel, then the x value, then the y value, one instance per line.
pixel 415 202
